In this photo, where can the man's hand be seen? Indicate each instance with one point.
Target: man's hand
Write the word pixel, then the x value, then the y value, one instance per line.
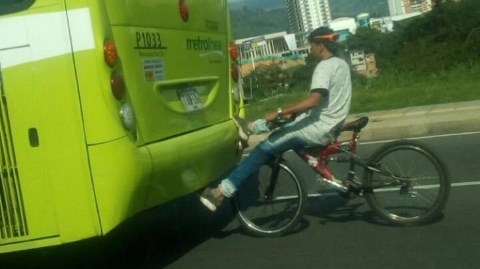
pixel 271 116
pixel 290 111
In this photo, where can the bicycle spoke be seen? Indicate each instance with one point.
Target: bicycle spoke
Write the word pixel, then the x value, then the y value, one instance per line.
pixel 277 214
pixel 417 188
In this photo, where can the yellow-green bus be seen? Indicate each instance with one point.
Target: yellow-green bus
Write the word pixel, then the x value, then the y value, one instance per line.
pixel 108 108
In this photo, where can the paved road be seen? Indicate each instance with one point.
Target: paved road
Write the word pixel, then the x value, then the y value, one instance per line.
pixel 337 234
pixel 334 233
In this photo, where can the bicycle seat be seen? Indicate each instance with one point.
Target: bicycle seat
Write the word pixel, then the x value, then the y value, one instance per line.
pixel 356 125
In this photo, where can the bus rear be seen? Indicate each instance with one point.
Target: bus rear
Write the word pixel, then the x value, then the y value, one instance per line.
pixel 110 108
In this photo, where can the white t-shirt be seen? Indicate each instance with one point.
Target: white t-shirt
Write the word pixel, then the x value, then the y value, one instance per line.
pixel 332 74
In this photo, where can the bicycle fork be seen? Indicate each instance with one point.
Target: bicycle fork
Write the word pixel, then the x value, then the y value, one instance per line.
pixel 268 195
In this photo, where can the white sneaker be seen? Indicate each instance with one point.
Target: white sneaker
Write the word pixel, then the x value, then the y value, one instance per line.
pixel 209 200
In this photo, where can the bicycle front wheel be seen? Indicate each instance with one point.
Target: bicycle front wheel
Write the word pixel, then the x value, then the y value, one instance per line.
pixel 408 184
pixel 271 203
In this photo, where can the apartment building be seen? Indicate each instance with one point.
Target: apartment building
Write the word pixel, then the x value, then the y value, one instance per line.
pixel 402 7
pixel 307 15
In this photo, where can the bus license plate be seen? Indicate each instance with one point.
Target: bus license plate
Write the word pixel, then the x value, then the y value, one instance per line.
pixel 190 99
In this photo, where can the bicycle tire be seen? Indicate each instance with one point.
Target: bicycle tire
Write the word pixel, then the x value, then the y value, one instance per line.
pixel 425 186
pixel 279 214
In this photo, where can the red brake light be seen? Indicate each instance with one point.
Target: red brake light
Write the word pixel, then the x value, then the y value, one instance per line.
pixel 183 8
pixel 117 84
pixel 234 72
pixel 110 52
pixel 233 50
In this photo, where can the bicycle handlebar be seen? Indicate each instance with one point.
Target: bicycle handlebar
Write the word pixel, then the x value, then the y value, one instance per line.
pixel 280 121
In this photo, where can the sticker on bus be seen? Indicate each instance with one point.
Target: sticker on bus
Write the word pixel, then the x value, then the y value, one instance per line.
pixel 153 69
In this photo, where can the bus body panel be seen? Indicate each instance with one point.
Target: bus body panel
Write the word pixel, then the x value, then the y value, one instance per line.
pixel 158 101
pixel 55 179
pixel 193 170
pixel 89 24
pixel 121 173
pixel 171 59
pixel 76 171
pixel 142 183
pixel 205 15
pixel 48 187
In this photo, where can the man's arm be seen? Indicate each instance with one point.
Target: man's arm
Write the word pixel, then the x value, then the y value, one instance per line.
pixel 310 102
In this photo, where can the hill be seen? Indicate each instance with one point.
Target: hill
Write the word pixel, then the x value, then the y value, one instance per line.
pixel 253 17
pixel 351 8
pixel 256 4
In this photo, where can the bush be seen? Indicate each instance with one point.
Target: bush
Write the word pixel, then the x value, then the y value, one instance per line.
pixel 267 81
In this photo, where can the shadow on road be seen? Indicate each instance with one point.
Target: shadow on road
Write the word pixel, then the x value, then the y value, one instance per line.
pixel 151 240
pixel 334 209
pixel 157 238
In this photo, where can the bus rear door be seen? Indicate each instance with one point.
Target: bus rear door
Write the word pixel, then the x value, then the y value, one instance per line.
pixel 44 172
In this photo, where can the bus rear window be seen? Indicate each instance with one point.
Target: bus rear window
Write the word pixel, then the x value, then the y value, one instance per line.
pixel 11 6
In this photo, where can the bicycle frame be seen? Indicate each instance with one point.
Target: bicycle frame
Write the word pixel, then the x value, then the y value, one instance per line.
pixel 319 157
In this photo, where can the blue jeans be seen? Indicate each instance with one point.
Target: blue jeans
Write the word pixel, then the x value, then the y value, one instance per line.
pixel 279 141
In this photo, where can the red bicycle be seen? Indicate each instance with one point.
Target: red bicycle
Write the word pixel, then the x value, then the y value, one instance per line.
pixel 404 182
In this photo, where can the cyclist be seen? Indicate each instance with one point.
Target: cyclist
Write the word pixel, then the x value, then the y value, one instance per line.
pixel 325 108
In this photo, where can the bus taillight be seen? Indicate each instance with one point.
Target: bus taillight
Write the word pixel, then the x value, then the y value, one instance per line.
pixel 233 50
pixel 128 117
pixel 117 84
pixel 234 72
pixel 183 8
pixel 110 52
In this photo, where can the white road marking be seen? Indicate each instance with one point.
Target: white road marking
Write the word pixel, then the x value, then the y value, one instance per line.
pixel 422 137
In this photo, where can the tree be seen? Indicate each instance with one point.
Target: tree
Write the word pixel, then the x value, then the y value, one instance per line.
pixel 437 3
pixel 434 41
pixel 384 45
pixel 267 81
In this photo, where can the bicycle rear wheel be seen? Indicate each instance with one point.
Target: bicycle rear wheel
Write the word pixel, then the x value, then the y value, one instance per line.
pixel 267 214
pixel 412 186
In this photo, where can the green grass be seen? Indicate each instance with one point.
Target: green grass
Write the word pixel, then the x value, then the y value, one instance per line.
pixel 257 108
pixel 393 90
